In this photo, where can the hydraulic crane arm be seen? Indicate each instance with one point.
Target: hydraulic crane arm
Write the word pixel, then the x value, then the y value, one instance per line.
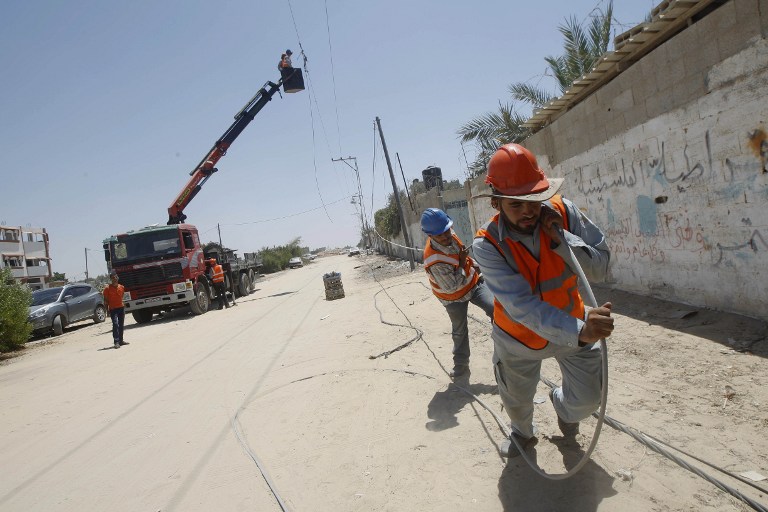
pixel 206 167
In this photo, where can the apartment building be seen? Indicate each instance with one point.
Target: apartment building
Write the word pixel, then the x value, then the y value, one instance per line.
pixel 25 251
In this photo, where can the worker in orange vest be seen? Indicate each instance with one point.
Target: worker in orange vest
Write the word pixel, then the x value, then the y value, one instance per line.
pixel 113 299
pixel 285 60
pixel 216 275
pixel 455 281
pixel 524 254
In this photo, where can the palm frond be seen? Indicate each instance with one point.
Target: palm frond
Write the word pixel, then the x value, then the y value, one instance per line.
pixel 530 94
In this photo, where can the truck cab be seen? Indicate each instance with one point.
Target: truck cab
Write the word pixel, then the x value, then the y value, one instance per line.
pixel 161 267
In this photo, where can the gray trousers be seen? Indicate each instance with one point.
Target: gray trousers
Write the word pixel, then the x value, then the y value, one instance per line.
pixel 517 371
pixel 481 297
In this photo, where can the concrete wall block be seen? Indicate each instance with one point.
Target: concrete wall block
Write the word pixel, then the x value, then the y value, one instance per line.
pixel 688 91
pixel 734 39
pixel 662 103
pixel 762 9
pixel 615 125
pixel 606 95
pixel 685 42
pixel 635 116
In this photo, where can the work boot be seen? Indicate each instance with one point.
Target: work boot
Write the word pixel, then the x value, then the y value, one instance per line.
pixel 510 450
pixel 568 429
pixel 458 370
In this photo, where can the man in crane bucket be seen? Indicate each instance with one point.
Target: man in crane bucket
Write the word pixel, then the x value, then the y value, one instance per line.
pixel 538 311
pixel 455 281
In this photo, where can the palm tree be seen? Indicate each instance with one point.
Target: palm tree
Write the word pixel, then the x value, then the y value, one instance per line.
pixel 582 48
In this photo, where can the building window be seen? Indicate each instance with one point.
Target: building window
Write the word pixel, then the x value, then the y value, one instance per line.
pixel 13 261
pixel 9 235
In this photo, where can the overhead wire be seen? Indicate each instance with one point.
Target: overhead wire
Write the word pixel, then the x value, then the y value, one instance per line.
pixel 284 216
pixel 311 113
pixel 314 157
pixel 333 76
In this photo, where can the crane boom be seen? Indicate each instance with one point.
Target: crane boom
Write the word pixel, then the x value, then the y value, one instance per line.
pixel 206 167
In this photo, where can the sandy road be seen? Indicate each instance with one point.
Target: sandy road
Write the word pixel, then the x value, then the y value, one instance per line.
pixel 171 422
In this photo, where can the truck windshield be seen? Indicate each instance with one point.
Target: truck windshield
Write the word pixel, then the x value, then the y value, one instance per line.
pixel 151 244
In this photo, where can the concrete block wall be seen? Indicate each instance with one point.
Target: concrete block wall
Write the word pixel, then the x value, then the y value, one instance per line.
pixel 671 159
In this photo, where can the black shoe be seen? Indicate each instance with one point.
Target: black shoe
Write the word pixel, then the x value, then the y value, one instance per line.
pixel 568 429
pixel 124 343
pixel 219 308
pixel 458 370
pixel 117 344
pixel 510 450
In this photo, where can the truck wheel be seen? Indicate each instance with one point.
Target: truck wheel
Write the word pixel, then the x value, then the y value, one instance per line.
pixel 251 281
pixel 142 316
pixel 202 300
pixel 243 285
pixel 99 314
pixel 58 325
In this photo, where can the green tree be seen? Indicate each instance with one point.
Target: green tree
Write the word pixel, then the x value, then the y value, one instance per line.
pixel 582 47
pixel 276 258
pixel 59 276
pixel 15 299
pixel 387 220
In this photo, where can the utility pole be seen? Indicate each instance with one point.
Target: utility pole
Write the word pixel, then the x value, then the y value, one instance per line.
pixel 404 183
pixel 218 227
pixel 397 196
pixel 363 221
pixel 86 264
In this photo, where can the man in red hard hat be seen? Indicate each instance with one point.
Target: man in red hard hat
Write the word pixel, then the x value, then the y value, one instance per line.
pixel 524 254
pixel 455 281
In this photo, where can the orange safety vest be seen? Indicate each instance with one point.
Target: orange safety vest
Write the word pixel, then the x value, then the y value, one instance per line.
pixel 218 274
pixel 432 256
pixel 549 276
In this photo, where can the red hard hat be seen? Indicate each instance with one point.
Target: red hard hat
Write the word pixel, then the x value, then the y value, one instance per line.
pixel 514 172
pixel 212 261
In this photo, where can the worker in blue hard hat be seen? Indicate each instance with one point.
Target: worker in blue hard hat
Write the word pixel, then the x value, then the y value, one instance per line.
pixel 455 280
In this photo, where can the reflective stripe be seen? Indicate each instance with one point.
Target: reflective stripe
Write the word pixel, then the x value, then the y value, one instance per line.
pixel 439 257
pixel 432 256
pixel 218 274
pixel 550 278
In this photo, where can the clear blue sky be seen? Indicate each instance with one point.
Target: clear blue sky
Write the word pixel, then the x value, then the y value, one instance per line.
pixel 107 106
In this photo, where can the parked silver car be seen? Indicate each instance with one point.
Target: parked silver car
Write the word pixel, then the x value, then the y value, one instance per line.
pixel 53 309
pixel 295 262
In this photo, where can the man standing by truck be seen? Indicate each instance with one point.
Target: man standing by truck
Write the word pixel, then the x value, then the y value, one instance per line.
pixel 113 298
pixel 216 274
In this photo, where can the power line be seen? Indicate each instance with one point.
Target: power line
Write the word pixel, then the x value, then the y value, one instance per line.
pixel 284 216
pixel 333 76
pixel 314 156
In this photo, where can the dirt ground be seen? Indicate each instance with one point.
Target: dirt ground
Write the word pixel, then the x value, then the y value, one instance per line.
pixel 293 402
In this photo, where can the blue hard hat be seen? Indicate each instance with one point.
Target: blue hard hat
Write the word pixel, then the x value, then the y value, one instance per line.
pixel 435 221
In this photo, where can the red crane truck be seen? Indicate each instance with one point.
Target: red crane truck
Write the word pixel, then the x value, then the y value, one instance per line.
pixel 163 267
